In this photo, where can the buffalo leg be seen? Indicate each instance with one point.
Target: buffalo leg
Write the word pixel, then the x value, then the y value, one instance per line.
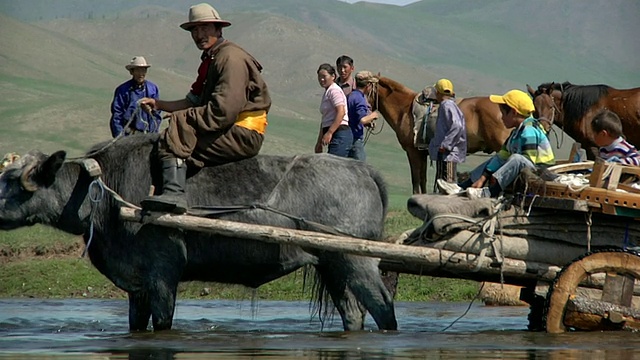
pixel 369 289
pixel 354 282
pixel 163 304
pixel 139 311
pixel 165 260
pixel 350 311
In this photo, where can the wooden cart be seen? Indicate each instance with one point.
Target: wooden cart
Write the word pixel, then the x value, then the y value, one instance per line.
pixel 607 192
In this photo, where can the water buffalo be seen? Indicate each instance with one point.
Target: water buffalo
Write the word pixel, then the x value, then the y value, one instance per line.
pixel 148 261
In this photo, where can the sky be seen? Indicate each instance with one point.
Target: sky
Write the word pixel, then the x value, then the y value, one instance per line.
pixel 392 2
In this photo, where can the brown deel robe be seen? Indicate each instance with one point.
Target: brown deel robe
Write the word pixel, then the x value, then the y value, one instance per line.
pixel 205 134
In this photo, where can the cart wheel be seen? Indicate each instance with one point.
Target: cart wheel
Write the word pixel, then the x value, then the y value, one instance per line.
pixel 567 282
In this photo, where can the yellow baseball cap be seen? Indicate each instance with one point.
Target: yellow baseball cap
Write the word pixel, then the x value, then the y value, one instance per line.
pixel 444 86
pixel 518 100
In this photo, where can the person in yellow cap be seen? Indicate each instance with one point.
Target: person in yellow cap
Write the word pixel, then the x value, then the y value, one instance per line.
pixel 526 147
pixel 222 119
pixel 448 147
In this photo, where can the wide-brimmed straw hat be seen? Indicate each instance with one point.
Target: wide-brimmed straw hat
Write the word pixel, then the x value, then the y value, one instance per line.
pixel 136 62
pixel 203 13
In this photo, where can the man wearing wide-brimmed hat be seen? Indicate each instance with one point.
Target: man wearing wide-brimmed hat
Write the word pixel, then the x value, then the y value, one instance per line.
pixel 223 117
pixel 125 115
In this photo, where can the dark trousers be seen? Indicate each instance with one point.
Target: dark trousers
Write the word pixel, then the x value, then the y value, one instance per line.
pixel 446 170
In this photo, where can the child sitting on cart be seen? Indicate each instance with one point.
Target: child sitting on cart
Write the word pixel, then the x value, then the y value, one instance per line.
pixel 607 134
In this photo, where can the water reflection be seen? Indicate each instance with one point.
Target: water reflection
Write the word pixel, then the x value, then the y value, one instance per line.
pixel 98 329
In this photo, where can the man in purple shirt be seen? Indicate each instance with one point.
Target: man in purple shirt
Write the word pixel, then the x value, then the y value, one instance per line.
pixel 449 144
pixel 126 116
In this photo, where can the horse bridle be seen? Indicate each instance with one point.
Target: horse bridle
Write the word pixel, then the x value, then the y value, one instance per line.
pixel 554 109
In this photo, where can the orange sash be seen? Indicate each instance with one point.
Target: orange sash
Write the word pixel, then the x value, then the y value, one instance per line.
pixel 253 120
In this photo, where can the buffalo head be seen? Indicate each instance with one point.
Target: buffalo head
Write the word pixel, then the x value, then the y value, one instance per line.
pixel 21 201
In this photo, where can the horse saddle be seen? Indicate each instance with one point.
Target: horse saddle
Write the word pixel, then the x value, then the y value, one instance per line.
pixel 425 113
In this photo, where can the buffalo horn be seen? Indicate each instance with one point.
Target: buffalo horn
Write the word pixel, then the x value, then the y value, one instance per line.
pixel 25 179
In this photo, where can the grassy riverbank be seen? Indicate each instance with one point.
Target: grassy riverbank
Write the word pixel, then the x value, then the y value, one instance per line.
pixel 41 262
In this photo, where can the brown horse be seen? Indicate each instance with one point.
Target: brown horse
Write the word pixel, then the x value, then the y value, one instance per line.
pixel 485 130
pixel 572 107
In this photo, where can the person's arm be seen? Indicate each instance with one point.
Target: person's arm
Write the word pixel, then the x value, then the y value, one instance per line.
pixel 163 105
pixel 627 154
pixel 338 100
pixel 340 111
pixel 358 106
pixel 535 146
pixel 118 107
pixel 156 115
pixel 633 160
pixel 368 119
pixel 499 158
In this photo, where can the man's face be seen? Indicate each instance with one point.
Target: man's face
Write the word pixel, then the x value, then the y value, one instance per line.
pixel 509 116
pixel 138 74
pixel 205 35
pixel 345 71
pixel 603 138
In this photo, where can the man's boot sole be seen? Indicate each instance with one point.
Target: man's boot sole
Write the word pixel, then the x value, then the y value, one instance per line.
pixel 159 206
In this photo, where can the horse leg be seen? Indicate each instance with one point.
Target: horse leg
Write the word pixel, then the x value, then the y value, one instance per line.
pixel 354 284
pixel 139 311
pixel 418 169
pixel 423 171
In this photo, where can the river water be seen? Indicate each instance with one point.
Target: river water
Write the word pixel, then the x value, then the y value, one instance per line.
pixel 202 329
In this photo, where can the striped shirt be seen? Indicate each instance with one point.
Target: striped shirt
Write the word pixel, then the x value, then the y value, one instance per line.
pixel 528 140
pixel 620 151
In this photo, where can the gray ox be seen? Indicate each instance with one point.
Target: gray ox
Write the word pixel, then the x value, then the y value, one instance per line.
pixel 149 261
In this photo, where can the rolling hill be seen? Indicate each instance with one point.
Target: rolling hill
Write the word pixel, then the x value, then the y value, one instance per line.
pixel 59 64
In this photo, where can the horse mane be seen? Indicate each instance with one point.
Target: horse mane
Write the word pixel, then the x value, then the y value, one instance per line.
pixel 576 99
pixel 545 87
pixel 579 99
pixel 393 85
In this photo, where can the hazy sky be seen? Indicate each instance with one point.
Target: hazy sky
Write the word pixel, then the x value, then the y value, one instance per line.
pixel 393 2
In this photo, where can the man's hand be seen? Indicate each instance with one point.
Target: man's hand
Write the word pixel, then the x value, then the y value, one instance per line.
pixel 369 119
pixel 148 104
pixel 480 182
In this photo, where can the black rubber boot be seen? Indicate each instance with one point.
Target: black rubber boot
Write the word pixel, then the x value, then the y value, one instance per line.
pixel 173 198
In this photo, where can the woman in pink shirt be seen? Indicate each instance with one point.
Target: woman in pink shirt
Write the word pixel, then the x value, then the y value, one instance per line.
pixel 334 128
